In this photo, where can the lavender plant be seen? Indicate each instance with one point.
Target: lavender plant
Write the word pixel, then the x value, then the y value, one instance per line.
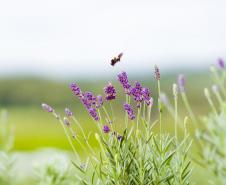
pixel 132 155
pixel 213 134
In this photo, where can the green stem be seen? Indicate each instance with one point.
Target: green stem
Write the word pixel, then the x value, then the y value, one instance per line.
pixel 126 116
pixel 68 138
pixel 160 108
pixel 83 133
pixel 138 115
pixel 105 111
pixel 210 101
pixel 188 107
pixel 219 98
pixel 176 116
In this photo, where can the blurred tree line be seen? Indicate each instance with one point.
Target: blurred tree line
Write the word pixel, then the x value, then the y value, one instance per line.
pixel 34 91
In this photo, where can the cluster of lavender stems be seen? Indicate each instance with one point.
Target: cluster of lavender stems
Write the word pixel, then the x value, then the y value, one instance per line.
pixel 90 102
pixel 217 87
pixel 137 92
pixel 63 122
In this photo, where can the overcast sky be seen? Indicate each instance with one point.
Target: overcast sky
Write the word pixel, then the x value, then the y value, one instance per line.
pixel 75 37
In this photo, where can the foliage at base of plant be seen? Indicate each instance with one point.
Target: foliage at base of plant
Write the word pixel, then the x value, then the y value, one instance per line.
pixel 144 160
pixel 212 136
pixel 213 140
pixel 55 171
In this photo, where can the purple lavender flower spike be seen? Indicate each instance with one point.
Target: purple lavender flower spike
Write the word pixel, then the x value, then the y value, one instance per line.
pixel 47 107
pixel 221 63
pixel 93 113
pixel 129 111
pixel 90 97
pixel 123 79
pixel 99 101
pixel 68 112
pixel 110 92
pixel 146 95
pixel 136 91
pixel 157 73
pixel 106 129
pixel 85 102
pixel 181 82
pixel 75 89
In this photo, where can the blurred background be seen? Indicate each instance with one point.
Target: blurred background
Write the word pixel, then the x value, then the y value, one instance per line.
pixel 46 44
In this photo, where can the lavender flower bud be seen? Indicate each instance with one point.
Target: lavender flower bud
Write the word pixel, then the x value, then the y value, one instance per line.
pixel 106 129
pixel 47 107
pixel 99 101
pixel 119 138
pixel 85 102
pixel 221 63
pixel 123 79
pixel 146 95
pixel 93 113
pixel 110 92
pixel 157 73
pixel 136 91
pixel 75 89
pixel 129 111
pixel 68 112
pixel 66 122
pixel 90 97
pixel 181 83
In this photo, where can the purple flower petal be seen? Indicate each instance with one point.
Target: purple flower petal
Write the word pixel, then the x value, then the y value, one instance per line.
pixel 129 111
pixel 68 112
pixel 106 129
pixel 110 92
pixel 47 107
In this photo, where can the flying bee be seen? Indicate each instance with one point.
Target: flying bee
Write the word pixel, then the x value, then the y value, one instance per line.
pixel 116 59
